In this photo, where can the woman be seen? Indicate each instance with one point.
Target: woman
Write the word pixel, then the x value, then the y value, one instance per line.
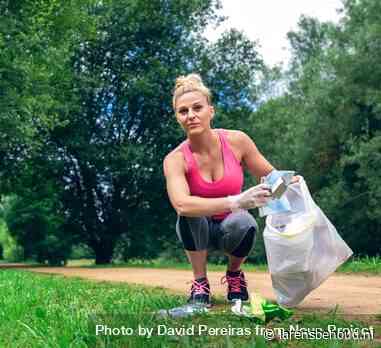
pixel 204 179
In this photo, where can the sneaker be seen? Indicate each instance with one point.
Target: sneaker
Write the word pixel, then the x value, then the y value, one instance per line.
pixel 200 292
pixel 237 286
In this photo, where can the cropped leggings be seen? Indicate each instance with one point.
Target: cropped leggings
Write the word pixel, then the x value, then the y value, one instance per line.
pixel 235 235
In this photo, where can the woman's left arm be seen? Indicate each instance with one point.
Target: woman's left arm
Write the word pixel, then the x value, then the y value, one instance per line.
pixel 255 162
pixel 252 158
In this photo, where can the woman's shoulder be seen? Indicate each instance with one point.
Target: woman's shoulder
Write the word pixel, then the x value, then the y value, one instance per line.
pixel 175 153
pixel 235 137
pixel 176 156
pixel 174 161
pixel 237 141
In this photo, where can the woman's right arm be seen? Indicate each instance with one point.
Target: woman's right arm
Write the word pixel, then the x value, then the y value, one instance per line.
pixel 179 194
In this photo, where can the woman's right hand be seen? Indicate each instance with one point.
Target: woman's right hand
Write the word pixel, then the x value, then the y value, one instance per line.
pixel 254 197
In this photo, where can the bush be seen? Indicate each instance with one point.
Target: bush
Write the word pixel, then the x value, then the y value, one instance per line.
pixel 81 251
pixel 35 227
pixel 11 251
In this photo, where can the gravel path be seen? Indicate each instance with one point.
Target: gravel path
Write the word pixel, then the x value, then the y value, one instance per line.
pixel 354 294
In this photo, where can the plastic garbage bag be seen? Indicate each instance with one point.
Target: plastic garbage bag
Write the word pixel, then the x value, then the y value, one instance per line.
pixel 302 247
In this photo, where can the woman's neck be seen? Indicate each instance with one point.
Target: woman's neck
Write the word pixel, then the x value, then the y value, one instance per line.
pixel 205 142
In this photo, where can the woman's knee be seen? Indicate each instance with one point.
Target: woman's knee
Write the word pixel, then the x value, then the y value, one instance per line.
pixel 246 245
pixel 239 233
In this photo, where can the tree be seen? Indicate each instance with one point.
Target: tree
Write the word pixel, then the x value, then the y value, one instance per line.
pixel 328 123
pixel 38 230
pixel 109 153
pixel 98 174
pixel 36 40
pixel 355 180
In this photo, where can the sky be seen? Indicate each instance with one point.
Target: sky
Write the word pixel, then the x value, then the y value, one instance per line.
pixel 268 21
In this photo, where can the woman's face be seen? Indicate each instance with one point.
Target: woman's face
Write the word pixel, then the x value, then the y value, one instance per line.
pixel 193 112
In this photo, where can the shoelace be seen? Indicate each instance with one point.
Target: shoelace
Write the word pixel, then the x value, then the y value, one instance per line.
pixel 200 288
pixel 233 282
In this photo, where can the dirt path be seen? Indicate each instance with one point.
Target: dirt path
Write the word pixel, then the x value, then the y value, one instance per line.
pixel 354 294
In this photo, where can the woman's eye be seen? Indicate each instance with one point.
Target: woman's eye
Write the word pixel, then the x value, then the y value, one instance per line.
pixel 198 108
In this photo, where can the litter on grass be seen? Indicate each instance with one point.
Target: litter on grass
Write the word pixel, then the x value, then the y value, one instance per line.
pixel 183 311
pixel 259 309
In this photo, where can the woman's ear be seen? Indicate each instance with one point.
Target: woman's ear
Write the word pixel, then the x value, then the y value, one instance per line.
pixel 211 112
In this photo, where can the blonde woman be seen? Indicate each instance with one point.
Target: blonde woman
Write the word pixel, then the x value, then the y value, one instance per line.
pixel 204 177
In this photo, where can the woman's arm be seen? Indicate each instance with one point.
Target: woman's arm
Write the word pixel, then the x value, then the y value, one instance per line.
pixel 255 162
pixel 187 205
pixel 179 194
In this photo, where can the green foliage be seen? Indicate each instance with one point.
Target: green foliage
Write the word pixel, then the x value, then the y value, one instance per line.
pixel 113 145
pixel 231 68
pixel 9 249
pixel 38 230
pixel 86 117
pixel 327 124
pixel 105 160
pixel 36 39
pixel 81 251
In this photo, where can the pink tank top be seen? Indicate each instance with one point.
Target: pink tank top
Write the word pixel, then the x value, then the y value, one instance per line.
pixel 230 184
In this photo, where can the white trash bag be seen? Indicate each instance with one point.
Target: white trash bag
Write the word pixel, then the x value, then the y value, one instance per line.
pixel 302 247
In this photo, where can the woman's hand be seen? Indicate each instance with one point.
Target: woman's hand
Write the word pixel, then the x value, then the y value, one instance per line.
pixel 254 197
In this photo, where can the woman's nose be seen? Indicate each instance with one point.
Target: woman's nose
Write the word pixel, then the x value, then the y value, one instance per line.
pixel 191 114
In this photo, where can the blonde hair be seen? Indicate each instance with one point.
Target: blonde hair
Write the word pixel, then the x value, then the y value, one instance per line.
pixel 190 83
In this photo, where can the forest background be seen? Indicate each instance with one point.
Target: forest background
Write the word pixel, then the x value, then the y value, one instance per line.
pixel 86 120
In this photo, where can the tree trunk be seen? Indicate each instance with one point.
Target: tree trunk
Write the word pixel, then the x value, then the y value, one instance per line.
pixel 103 253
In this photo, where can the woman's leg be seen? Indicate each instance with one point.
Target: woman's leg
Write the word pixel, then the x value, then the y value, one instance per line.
pixel 238 238
pixel 198 260
pixel 239 254
pixel 235 263
pixel 193 232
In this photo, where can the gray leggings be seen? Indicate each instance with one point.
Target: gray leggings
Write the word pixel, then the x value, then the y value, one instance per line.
pixel 235 235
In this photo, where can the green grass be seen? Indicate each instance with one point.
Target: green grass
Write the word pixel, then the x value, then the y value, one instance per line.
pixel 51 311
pixel 160 264
pixel 368 265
